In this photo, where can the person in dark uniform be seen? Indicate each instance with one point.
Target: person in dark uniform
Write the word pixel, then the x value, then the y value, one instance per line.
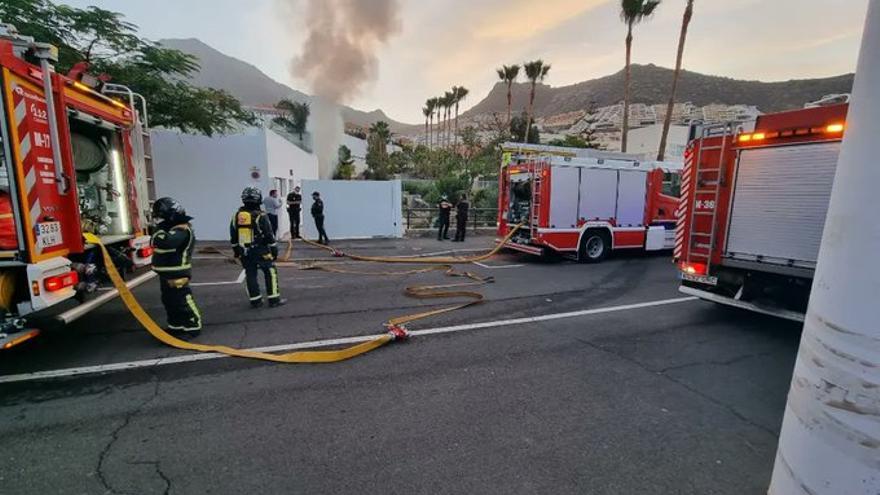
pixel 461 218
pixel 294 211
pixel 318 215
pixel 173 243
pixel 445 208
pixel 254 244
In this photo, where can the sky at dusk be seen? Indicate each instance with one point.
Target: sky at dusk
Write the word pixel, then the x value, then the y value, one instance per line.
pixel 443 43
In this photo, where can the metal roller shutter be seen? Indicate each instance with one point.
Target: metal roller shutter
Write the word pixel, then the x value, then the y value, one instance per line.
pixel 779 203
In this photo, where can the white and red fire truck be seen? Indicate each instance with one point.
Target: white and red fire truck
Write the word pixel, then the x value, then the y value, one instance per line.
pixel 584 202
pixel 753 209
pixel 71 161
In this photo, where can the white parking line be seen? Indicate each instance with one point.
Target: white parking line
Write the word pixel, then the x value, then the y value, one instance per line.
pixel 238 280
pixel 105 368
pixel 495 267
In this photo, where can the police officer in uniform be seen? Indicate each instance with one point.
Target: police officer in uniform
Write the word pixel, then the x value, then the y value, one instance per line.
pixel 445 208
pixel 318 216
pixel 173 244
pixel 461 218
pixel 294 209
pixel 254 244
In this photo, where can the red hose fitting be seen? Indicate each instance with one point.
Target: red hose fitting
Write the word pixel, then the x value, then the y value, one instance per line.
pixel 398 332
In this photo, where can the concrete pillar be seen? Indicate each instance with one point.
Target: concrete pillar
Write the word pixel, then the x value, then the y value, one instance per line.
pixel 830 441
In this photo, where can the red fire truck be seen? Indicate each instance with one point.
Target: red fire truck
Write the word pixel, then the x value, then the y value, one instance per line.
pixel 753 209
pixel 71 161
pixel 583 202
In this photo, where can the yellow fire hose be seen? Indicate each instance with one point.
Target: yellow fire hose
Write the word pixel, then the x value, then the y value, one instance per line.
pixel 396 331
pixel 293 357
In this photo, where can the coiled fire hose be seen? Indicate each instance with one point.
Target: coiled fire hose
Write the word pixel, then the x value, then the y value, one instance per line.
pixel 396 331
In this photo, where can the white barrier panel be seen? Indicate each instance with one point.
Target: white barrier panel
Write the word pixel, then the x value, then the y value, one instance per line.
pixel 355 209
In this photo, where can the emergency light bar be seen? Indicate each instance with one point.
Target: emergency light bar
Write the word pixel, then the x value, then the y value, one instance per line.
pixel 836 128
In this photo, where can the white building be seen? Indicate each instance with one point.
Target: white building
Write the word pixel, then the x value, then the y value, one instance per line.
pixel 645 142
pixel 207 174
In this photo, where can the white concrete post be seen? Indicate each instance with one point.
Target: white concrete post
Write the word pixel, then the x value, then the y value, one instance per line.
pixel 830 440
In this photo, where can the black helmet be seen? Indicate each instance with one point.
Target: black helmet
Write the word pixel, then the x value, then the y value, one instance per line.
pixel 251 195
pixel 169 210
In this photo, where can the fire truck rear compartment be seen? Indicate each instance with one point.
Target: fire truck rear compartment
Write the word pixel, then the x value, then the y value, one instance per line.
pixel 101 178
pixel 520 204
pixel 780 199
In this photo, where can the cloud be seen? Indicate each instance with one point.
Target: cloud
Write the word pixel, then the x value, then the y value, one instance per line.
pixel 525 19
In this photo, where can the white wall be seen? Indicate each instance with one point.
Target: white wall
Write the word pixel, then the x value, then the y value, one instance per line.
pixel 355 209
pixel 645 141
pixel 207 174
pixel 288 165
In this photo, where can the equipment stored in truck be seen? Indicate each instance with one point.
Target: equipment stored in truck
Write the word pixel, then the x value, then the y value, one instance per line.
pixel 72 162
pixel 753 209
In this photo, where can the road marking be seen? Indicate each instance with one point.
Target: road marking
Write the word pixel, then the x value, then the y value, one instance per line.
pixel 188 358
pixel 238 280
pixel 496 267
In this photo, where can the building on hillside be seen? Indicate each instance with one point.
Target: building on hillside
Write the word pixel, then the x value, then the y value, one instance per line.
pixel 719 113
pixel 207 174
pixel 645 142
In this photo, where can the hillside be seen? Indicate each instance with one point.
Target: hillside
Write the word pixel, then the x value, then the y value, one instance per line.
pixel 252 86
pixel 650 84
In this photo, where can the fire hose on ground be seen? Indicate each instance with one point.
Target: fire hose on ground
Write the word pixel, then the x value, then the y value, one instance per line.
pixel 395 326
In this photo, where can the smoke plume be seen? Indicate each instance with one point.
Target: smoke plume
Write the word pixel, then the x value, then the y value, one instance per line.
pixel 338 57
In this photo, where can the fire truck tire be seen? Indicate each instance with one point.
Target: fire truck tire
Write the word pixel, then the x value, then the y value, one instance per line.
pixel 595 246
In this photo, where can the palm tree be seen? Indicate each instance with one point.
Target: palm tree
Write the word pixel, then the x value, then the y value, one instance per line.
pixel 460 94
pixel 632 12
pixel 448 101
pixel 536 71
pixel 434 103
pixel 685 22
pixel 295 116
pixel 426 110
pixel 508 74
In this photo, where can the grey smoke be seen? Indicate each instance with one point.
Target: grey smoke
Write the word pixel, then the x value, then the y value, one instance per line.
pixel 337 58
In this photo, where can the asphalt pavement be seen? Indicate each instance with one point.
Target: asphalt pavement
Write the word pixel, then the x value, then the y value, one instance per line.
pixel 619 386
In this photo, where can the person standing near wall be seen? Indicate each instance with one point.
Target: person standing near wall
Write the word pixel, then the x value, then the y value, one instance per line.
pixel 294 211
pixel 272 204
pixel 318 215
pixel 445 210
pixel 254 244
pixel 461 218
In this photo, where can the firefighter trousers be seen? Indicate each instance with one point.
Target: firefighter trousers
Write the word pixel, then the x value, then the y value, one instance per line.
pixel 252 268
pixel 460 228
pixel 183 314
pixel 443 232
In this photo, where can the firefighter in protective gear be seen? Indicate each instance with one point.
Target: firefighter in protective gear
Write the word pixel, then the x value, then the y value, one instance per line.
pixel 254 244
pixel 173 243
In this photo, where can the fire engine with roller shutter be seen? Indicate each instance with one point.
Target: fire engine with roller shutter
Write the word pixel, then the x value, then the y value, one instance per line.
pixel 585 203
pixel 72 160
pixel 753 209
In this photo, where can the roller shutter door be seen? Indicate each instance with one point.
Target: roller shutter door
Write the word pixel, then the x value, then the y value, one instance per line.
pixel 780 200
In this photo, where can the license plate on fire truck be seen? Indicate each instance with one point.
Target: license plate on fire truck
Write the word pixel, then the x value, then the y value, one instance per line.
pixel 49 234
pixel 700 279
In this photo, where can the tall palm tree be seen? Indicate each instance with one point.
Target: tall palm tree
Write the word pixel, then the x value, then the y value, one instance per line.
pixel 508 74
pixel 434 103
pixel 448 101
pixel 685 22
pixel 632 12
pixel 426 110
pixel 536 71
pixel 460 94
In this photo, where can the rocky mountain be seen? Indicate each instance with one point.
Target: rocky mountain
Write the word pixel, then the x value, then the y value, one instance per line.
pixel 252 86
pixel 650 84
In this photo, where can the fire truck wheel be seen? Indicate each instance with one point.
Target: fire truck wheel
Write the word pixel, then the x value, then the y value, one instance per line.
pixel 594 247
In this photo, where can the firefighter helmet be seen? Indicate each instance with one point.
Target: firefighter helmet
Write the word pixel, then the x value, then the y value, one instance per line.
pixel 169 210
pixel 251 195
